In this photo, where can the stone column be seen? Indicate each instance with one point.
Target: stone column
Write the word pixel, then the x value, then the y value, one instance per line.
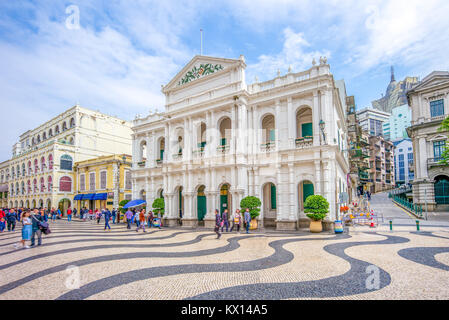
pixel 189 220
pixel 316 117
pixel 116 184
pixel 291 124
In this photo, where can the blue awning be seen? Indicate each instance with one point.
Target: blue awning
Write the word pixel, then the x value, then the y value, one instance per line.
pixel 89 196
pixel 101 196
pixel 134 203
pixel 78 197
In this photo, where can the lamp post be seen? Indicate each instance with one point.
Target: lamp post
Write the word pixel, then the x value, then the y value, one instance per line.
pixel 322 126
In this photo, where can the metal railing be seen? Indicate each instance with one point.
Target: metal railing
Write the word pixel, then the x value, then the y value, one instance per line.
pixel 414 209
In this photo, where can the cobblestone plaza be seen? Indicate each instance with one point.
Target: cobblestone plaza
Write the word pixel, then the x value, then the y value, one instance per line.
pixel 174 263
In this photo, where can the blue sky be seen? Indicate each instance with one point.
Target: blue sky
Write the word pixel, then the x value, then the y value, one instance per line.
pixel 124 50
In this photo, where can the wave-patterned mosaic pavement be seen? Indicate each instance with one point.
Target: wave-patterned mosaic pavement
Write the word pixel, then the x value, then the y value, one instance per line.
pixel 185 264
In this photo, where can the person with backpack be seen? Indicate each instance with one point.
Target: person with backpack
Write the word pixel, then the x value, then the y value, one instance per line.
pixel 114 215
pixel 224 218
pixel 59 214
pixel 36 220
pixel 129 218
pixel 11 218
pixel 26 230
pixel 236 220
pixel 247 218
pixel 69 215
pixel 141 218
pixel 218 223
pixel 107 217
pixel 74 212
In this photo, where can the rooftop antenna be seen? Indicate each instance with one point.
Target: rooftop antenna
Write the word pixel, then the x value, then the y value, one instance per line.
pixel 201 31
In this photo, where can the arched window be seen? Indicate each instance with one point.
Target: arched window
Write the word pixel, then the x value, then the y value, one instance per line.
pixel 64 126
pixel 50 133
pixel 65 184
pixel 30 170
pixel 42 184
pixel 43 166
pixel 23 187
pixel 33 142
pixel 50 162
pixel 36 166
pixel 12 189
pixel 17 188
pixel 38 138
pixel 56 130
pixel 50 183
pixel 66 162
pixel 44 136
pixel 18 171
pixel 34 185
pixel 72 123
pixel 23 169
pixel 28 186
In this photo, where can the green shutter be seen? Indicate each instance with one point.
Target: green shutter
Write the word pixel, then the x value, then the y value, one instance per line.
pixel 201 207
pixel 162 154
pixel 273 196
pixel 307 130
pixel 307 191
pixel 223 141
pixel 272 135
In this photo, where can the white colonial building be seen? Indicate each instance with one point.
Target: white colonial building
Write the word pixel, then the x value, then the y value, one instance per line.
pixel 429 101
pixel 220 140
pixel 40 173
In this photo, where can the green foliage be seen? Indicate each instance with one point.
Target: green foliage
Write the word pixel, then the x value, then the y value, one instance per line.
pixel 159 206
pixel 445 155
pixel 316 207
pixel 121 205
pixel 253 204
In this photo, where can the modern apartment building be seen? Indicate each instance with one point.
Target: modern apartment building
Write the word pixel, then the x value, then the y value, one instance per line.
pixel 404 162
pixel 381 164
pixel 372 121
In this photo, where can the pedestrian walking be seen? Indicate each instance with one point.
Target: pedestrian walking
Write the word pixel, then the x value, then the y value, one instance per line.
pixel 218 223
pixel 141 219
pixel 107 218
pixel 247 218
pixel 36 219
pixel 11 218
pixel 129 217
pixel 2 224
pixel 53 214
pixel 69 214
pixel 75 211
pixel 114 215
pixel 236 220
pixel 97 215
pixel 26 230
pixel 225 219
pixel 150 219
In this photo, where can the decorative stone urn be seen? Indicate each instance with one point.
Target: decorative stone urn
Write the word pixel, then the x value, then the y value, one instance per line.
pixel 253 224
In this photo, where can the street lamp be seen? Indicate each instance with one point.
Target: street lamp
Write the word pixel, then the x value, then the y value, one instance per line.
pixel 322 126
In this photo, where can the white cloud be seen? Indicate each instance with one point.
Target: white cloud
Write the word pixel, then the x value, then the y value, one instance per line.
pixel 296 52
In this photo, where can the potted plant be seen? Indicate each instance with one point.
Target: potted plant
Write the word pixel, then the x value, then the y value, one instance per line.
pixel 316 207
pixel 253 204
pixel 158 209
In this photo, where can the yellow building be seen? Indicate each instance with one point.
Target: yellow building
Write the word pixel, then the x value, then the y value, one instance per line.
pixel 102 182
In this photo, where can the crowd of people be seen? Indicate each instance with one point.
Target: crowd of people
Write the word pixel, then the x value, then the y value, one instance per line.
pixel 35 222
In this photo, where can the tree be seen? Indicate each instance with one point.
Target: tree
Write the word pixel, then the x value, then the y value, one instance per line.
pixel 316 207
pixel 253 204
pixel 445 127
pixel 159 206
pixel 121 205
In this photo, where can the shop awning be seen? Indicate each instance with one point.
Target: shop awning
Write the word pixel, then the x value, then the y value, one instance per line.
pixel 89 196
pixel 78 197
pixel 100 196
pixel 134 203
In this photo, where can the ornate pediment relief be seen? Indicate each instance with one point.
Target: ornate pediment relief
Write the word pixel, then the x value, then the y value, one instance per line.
pixel 199 71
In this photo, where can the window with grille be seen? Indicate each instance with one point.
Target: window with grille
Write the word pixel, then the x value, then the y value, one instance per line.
pixel 66 162
pixel 128 184
pixel 82 182
pixel 438 148
pixel 436 108
pixel 103 179
pixel 50 184
pixel 65 184
pixel 92 181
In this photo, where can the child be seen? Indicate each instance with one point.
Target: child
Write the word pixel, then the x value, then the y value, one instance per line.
pixel 2 224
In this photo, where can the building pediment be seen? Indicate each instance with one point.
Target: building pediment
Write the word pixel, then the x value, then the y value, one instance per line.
pixel 199 67
pixel 433 80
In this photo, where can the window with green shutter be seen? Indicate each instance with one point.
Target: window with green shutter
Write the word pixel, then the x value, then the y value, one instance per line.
pixel 307 130
pixel 272 135
pixel 273 196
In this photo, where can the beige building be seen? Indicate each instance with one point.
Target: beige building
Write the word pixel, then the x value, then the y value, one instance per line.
pixel 429 101
pixel 41 169
pixel 4 177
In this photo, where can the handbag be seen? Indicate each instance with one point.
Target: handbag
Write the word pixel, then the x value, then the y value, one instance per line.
pixel 43 226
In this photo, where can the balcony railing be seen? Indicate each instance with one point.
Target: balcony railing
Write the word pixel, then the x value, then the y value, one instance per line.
pixel 268 146
pixel 177 156
pixel 304 142
pixel 141 163
pixel 223 148
pixel 431 162
pixel 198 153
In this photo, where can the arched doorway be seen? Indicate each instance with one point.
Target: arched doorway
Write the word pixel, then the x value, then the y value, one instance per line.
pixel 225 199
pixel 269 204
pixel 305 189
pixel 201 203
pixel 33 204
pixel 27 204
pixel 48 204
pixel 63 205
pixel 442 190
pixel 41 203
